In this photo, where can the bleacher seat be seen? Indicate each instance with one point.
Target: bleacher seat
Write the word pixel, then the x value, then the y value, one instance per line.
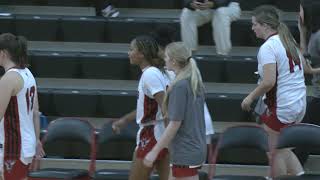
pixel 55 64
pixel 37 28
pixel 130 28
pixel 69 130
pixel 67 3
pixel 107 66
pixel 116 104
pixel 239 70
pixel 304 137
pixel 75 103
pixel 252 137
pixel 6 24
pixel 226 107
pixel 83 29
pixel 212 69
pixel 45 101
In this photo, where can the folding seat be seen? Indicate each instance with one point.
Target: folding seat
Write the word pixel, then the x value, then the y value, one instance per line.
pixel 75 103
pixel 37 28
pixel 113 146
pixel 83 29
pixel 302 136
pixel 251 137
pixel 6 24
pixel 70 131
pixel 55 64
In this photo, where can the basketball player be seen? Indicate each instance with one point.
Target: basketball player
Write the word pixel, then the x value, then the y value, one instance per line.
pixel 19 115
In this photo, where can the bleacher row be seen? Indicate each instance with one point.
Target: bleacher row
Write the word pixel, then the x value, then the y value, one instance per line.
pixel 82 69
pixel 287 5
pixel 65 28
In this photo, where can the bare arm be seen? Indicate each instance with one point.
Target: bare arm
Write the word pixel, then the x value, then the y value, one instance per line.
pixel 159 98
pixel 36 116
pixel 165 140
pixel 308 69
pixel 36 123
pixel 167 136
pixel 269 80
pixel 303 36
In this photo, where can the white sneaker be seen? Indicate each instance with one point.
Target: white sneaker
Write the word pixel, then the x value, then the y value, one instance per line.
pixel 110 11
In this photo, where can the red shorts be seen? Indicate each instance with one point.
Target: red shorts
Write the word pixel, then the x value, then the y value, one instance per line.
pixel 270 119
pixel 180 171
pixel 147 141
pixel 15 170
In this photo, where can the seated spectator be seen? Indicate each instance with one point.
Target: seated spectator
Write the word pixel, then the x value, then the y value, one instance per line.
pixel 105 8
pixel 220 12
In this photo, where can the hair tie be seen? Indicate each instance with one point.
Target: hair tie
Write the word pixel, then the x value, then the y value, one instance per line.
pixel 188 59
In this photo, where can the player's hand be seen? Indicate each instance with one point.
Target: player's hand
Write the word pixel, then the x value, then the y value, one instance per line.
pixel 39 150
pixel 118 125
pixel 246 103
pixel 150 158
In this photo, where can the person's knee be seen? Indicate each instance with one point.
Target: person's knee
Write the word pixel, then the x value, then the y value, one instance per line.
pixel 186 16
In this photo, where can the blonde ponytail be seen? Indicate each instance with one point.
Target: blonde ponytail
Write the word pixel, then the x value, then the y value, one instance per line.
pixel 288 42
pixel 189 70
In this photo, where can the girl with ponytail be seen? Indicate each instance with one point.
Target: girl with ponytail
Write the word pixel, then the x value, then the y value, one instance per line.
pixel 281 67
pixel 144 52
pixel 19 110
pixel 183 107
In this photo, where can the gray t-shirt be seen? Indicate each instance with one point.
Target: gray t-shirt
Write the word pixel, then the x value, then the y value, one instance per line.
pixel 189 145
pixel 314 51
